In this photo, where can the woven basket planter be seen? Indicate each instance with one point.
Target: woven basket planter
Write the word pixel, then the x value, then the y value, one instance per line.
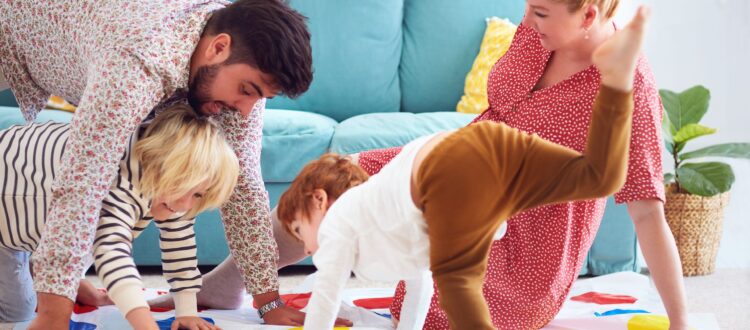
pixel 696 223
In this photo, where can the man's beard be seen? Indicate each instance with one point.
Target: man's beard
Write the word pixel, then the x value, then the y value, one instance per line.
pixel 199 90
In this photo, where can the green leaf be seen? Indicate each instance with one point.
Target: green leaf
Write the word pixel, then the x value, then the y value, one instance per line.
pixel 731 150
pixel 687 107
pixel 705 179
pixel 672 106
pixel 692 131
pixel 668 177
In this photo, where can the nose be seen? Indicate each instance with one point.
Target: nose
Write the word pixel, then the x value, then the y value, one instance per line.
pixel 245 105
pixel 185 203
pixel 526 19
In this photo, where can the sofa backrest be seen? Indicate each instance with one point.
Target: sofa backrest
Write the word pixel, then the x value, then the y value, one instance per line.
pixel 389 55
pixel 392 55
pixel 356 52
pixel 441 40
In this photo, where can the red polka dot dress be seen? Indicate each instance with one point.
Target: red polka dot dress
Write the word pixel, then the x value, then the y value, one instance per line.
pixel 532 268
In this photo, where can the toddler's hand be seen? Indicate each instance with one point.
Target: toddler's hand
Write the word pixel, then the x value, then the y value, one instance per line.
pixel 192 323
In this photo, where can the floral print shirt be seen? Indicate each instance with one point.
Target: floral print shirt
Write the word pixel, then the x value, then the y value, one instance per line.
pixel 118 60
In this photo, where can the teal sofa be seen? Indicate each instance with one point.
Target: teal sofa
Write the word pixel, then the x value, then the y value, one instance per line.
pixel 386 72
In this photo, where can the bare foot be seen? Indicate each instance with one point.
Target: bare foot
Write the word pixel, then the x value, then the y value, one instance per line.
pixel 617 57
pixel 91 296
pixel 163 301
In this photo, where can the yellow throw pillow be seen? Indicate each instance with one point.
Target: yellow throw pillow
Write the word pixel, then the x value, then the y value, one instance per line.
pixel 58 103
pixel 497 39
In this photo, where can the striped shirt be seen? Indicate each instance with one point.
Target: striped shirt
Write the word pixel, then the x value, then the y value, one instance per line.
pixel 31 156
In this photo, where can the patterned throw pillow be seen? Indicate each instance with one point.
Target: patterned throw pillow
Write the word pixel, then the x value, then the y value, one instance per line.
pixel 497 39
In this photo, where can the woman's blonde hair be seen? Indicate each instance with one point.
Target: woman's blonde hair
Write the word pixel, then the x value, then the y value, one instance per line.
pixel 607 8
pixel 180 151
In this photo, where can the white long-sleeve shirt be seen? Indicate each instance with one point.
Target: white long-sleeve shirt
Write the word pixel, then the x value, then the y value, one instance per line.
pixel 30 157
pixel 375 230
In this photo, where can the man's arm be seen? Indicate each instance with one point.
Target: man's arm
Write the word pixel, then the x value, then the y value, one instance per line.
pixel 246 216
pixel 247 221
pixel 117 97
pixel 660 252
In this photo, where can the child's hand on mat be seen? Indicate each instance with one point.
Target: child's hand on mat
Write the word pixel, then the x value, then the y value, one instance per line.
pixel 141 318
pixel 343 323
pixel 192 323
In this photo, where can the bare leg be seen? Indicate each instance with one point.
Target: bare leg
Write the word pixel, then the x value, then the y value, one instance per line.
pixel 223 287
pixel 90 295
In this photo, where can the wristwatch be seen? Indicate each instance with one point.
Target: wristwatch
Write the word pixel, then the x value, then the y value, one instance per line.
pixel 273 304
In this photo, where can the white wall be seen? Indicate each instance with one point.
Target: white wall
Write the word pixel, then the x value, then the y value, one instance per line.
pixel 707 42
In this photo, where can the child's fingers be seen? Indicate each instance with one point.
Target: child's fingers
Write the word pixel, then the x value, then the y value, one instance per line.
pixel 343 322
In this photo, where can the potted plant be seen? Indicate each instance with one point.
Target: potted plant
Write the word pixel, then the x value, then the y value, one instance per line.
pixel 697 191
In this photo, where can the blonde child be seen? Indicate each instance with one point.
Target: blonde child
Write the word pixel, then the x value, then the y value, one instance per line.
pixel 174 167
pixel 438 204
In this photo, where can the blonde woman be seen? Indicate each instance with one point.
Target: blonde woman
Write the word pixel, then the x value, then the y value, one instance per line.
pixel 173 168
pixel 546 85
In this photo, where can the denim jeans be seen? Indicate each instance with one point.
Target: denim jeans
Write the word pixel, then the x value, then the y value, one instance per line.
pixel 17 296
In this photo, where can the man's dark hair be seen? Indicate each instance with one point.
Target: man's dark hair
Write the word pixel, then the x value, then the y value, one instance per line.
pixel 270 36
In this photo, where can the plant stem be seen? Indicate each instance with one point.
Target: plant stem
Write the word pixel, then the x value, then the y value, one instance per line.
pixel 676 166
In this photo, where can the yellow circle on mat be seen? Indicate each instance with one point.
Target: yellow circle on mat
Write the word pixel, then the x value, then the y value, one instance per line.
pixel 648 322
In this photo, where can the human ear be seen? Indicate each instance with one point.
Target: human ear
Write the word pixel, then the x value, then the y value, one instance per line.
pixel 219 48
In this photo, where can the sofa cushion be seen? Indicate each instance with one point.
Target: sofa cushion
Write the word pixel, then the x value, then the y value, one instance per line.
pixel 441 40
pixel 615 248
pixel 7 99
pixel 290 140
pixel 356 52
pixel 10 116
pixel 496 41
pixel 382 130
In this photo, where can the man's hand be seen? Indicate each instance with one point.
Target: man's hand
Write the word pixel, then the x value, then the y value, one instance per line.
pixel 53 312
pixel 192 323
pixel 286 315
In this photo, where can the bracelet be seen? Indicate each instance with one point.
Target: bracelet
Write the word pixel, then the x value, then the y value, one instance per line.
pixel 273 304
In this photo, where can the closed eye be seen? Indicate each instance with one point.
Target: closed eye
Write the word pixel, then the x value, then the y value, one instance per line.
pixel 244 91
